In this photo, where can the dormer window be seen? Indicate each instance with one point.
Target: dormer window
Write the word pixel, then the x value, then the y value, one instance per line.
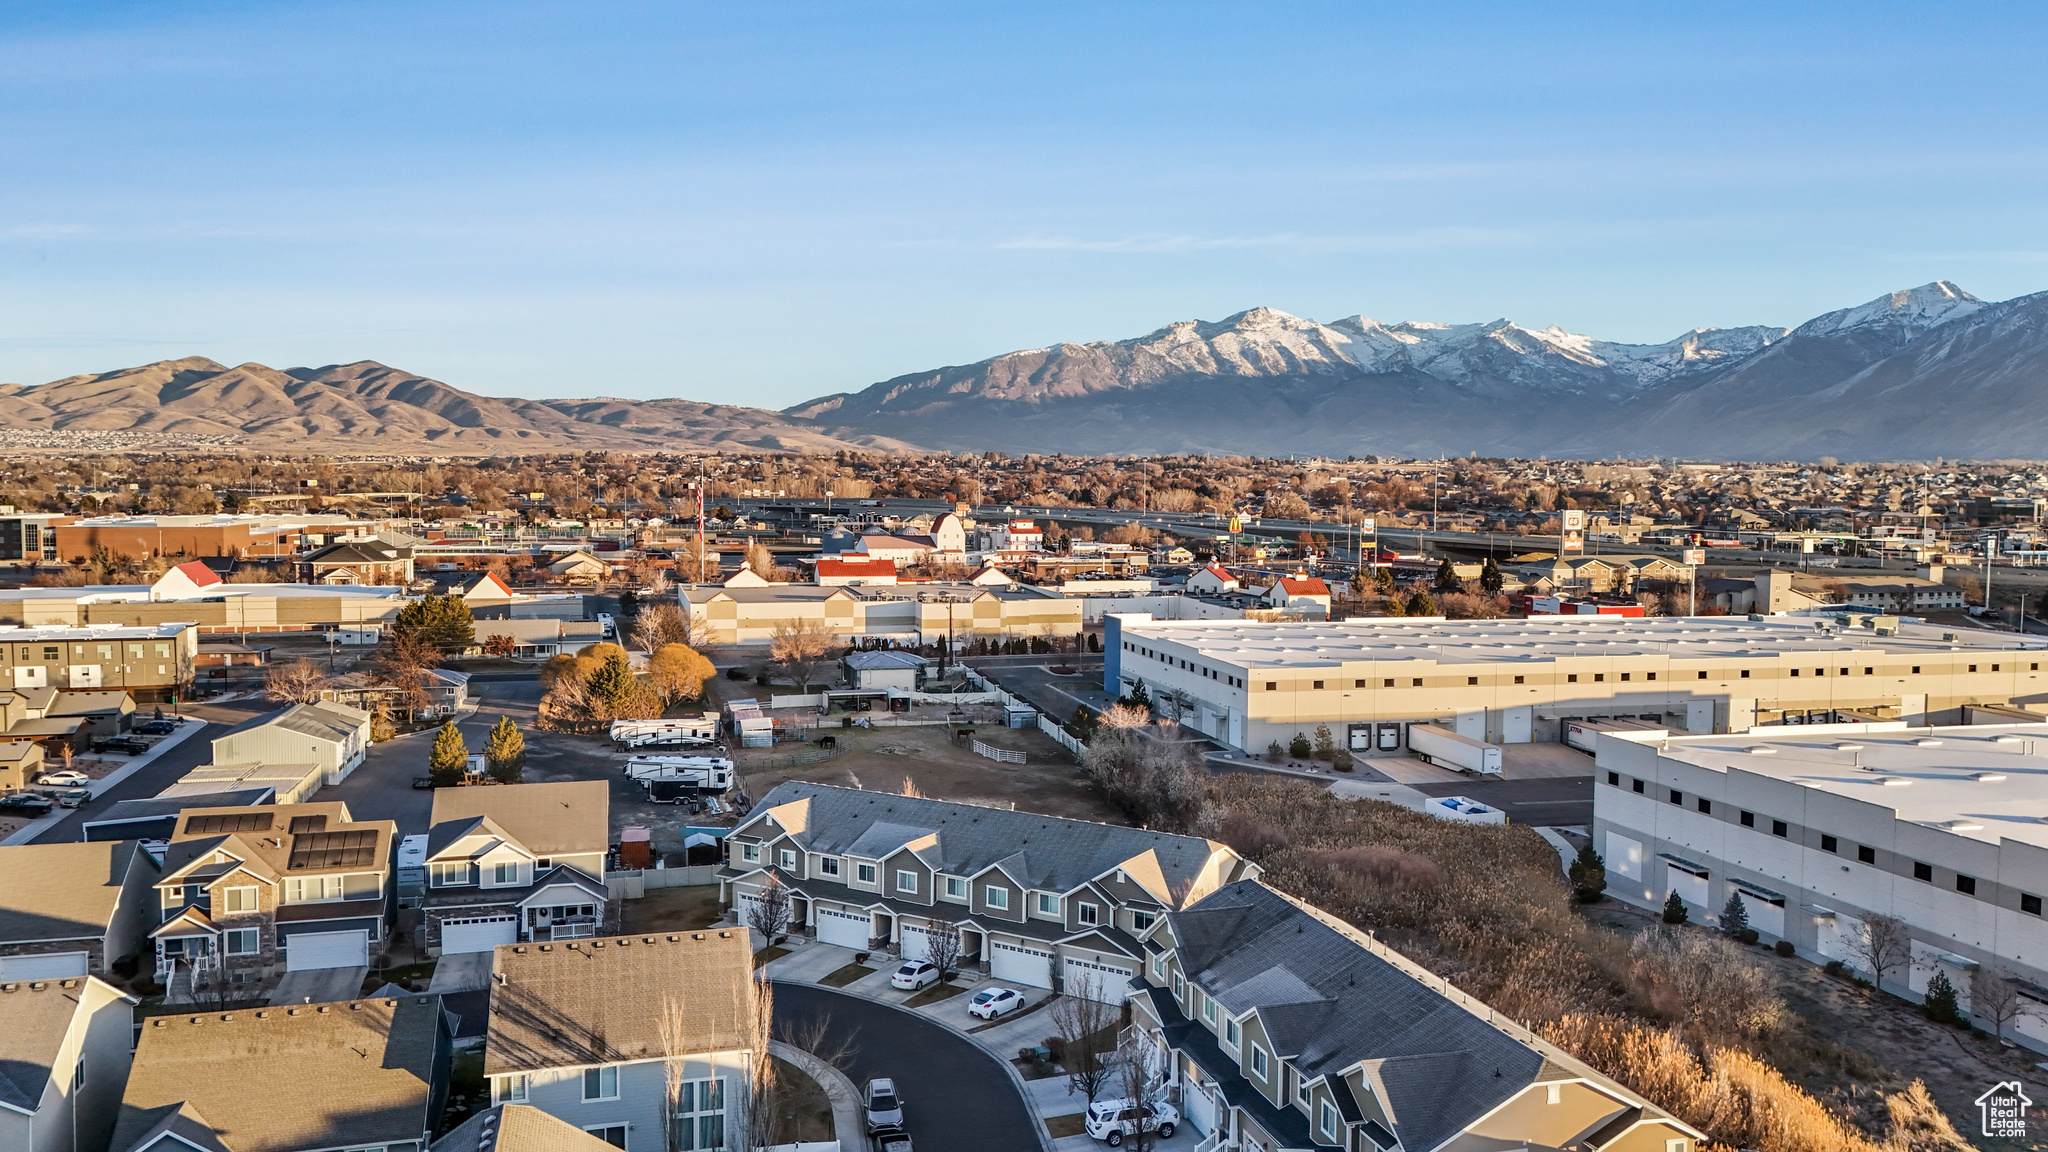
pixel 1048 904
pixel 955 886
pixel 1086 913
pixel 505 872
pixel 865 873
pixel 787 859
pixel 828 865
pixel 751 853
pixel 450 875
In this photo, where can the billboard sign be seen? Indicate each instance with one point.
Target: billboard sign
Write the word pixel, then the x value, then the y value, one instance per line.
pixel 1572 533
pixel 1694 556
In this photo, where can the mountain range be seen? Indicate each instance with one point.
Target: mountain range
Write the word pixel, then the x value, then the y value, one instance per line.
pixel 1918 373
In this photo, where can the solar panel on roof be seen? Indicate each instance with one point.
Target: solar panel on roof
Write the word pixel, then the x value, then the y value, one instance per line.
pixel 334 850
pixel 301 824
pixel 217 824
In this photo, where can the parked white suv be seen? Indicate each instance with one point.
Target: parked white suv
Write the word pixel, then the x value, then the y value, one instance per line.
pixel 1111 1120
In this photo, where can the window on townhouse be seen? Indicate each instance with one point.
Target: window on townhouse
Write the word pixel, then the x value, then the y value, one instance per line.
pixel 828 865
pixel 865 873
pixel 1232 1034
pixel 785 859
pixel 509 1089
pixel 1048 904
pixel 243 942
pixel 906 881
pixel 1208 1009
pixel 239 899
pixel 1086 913
pixel 1260 1062
pixel 601 1082
pixel 1302 1091
pixel 303 888
pixel 1140 921
pixel 504 873
pixel 956 886
pixel 700 1115
pixel 751 853
pixel 1179 987
pixel 612 1134
pixel 994 897
pixel 446 875
pixel 1326 1121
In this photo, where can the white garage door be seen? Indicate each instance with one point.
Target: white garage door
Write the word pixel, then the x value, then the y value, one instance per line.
pixel 49 966
pixel 846 929
pixel 1110 983
pixel 478 934
pixel 1019 964
pixel 916 943
pixel 306 950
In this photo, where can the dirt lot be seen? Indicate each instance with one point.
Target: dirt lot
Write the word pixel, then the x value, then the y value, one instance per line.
pixel 9 825
pixel 1857 1044
pixel 882 758
pixel 671 910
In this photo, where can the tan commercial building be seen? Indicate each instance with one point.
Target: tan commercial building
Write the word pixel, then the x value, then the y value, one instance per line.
pixel 246 537
pixel 904 614
pixel 1248 683
pixel 192 593
pixel 148 663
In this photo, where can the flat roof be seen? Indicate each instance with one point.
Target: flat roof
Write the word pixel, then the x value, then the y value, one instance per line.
pixel 1315 643
pixel 1988 782
pixel 11 634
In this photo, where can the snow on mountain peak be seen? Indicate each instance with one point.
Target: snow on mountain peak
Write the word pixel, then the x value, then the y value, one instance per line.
pixel 1910 311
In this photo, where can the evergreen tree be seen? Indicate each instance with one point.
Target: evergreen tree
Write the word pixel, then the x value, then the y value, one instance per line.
pixel 1137 697
pixel 1421 604
pixel 1447 577
pixel 1299 747
pixel 1384 577
pixel 1588 876
pixel 612 683
pixel 448 763
pixel 443 621
pixel 505 751
pixel 1940 1002
pixel 1085 723
pixel 1734 917
pixel 1674 910
pixel 1490 578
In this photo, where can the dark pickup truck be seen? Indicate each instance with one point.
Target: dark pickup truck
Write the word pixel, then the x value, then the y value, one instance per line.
pixel 890 1138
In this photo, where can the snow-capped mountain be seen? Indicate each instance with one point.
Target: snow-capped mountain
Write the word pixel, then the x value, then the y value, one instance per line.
pixel 1263 381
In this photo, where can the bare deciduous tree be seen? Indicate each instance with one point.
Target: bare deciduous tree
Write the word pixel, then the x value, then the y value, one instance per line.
pixel 299 682
pixel 1995 996
pixel 770 912
pixel 1139 1078
pixel 1082 1023
pixel 659 625
pixel 1881 947
pixel 943 942
pixel 800 646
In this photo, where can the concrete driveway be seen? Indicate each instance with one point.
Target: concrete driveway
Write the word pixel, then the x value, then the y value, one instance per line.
pixel 320 986
pixel 957 1098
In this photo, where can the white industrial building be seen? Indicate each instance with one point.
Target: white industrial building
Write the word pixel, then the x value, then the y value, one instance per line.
pixel 1248 682
pixel 1944 828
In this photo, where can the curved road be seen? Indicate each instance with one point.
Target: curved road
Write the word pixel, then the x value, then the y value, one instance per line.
pixel 957 1098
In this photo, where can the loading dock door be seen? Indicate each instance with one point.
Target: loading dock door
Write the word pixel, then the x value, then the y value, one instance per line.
pixel 1390 737
pixel 1516 724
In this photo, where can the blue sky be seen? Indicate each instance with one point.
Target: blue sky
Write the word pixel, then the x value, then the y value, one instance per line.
pixel 759 203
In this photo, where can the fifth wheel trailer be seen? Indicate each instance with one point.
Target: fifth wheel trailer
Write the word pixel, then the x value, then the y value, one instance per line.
pixel 1437 746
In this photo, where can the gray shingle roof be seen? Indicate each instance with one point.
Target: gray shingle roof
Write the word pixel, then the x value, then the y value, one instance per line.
pixel 1330 1003
pixel 323 721
pixel 64 891
pixel 372 1060
pixel 1044 852
pixel 601 1001
pixel 518 1128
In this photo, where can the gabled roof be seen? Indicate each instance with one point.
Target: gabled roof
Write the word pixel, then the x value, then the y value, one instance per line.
pixel 518 1128
pixel 323 720
pixel 884 658
pixel 199 574
pixel 1043 852
pixel 373 1060
pixel 64 891
pixel 603 1001
pixel 546 819
pixel 275 840
pixel 176 1128
pixel 34 1018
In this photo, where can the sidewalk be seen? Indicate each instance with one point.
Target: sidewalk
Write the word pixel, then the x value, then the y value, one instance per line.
pixel 38 827
pixel 1025 1028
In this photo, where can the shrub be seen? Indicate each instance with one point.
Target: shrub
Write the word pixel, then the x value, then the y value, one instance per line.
pixel 1274 752
pixel 1325 743
pixel 735 673
pixel 1832 968
pixel 1784 948
pixel 1674 909
pixel 1747 936
pixel 1299 747
pixel 1940 1001
pixel 1342 761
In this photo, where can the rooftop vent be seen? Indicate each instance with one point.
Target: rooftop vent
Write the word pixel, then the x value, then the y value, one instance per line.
pixel 1893 781
pixel 1848 746
pixel 1927 742
pixel 1962 825
pixel 1761 750
pixel 2008 738
pixel 1987 777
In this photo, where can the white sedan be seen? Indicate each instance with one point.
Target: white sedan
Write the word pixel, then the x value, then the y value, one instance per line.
pixel 914 974
pixel 64 779
pixel 990 1003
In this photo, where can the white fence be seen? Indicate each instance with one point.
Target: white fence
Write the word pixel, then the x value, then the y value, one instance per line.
pixel 634 883
pixel 999 755
pixel 1046 724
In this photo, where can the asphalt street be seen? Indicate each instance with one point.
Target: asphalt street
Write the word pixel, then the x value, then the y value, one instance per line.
pixel 1549 802
pixel 162 772
pixel 382 788
pixel 956 1097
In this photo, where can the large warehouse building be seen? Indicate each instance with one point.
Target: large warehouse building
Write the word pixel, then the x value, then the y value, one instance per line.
pixel 1248 683
pixel 1818 830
